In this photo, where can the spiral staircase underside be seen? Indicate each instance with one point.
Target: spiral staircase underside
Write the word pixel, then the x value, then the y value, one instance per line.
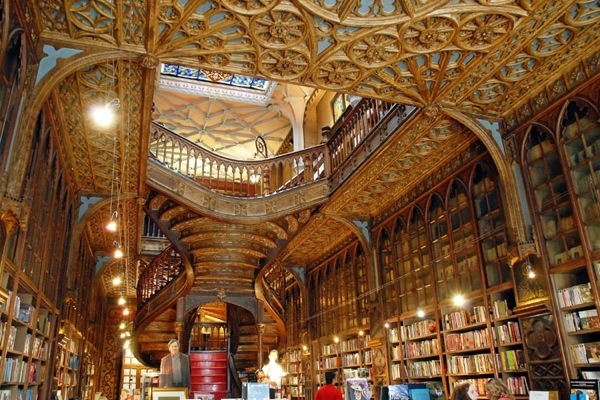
pixel 226 259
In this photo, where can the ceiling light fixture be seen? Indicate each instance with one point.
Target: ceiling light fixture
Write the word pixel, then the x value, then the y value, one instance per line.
pixel 116 281
pixel 118 252
pixel 105 115
pixel 113 223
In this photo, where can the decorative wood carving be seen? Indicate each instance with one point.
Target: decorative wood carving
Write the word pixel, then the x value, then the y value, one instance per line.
pixel 543 354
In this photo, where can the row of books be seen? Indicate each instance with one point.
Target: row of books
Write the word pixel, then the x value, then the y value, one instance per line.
pixel 15 370
pixel 508 333
pixel 421 348
pixel 355 343
pixel 469 364
pixel 415 330
pixel 517 384
pixel 463 318
pixel 510 360
pixel 575 295
pixel 418 369
pixel 17 394
pixel 582 320
pixel 586 353
pixel 467 340
pixel 500 309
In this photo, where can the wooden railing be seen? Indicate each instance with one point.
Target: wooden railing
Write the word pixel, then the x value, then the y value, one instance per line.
pixel 356 127
pixel 207 336
pixel 352 129
pixel 257 178
pixel 235 177
pixel 163 269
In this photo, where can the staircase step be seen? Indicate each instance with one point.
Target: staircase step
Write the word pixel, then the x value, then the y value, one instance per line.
pixel 208 356
pixel 209 387
pixel 207 364
pixel 216 379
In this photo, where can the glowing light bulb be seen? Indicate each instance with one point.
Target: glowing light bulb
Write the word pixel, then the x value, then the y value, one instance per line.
pixel 459 300
pixel 103 115
pixel 386 325
pixel 121 301
pixel 122 325
pixel 116 281
pixel 126 311
pixel 420 313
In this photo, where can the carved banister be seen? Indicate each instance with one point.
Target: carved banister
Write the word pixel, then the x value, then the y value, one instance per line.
pixel 161 271
pixel 257 178
pixel 240 178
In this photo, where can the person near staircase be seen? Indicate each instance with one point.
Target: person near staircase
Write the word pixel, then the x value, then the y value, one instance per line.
pixel 329 391
pixel 274 373
pixel 175 368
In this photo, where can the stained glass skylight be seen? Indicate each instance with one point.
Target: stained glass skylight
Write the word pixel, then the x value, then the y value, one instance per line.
pixel 223 78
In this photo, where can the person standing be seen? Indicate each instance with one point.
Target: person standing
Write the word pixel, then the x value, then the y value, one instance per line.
pixel 329 391
pixel 464 391
pixel 495 389
pixel 274 373
pixel 175 368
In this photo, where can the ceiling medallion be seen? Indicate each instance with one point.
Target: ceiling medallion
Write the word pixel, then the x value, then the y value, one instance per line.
pixel 337 74
pixel 288 64
pixel 428 35
pixel 279 28
pixel 375 50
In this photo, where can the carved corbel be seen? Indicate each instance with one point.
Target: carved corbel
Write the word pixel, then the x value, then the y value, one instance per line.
pixel 521 250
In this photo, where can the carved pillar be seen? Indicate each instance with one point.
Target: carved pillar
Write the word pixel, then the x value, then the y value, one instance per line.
pixel 179 319
pixel 260 328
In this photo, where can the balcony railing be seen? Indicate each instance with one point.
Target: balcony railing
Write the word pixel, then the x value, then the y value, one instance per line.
pixel 257 178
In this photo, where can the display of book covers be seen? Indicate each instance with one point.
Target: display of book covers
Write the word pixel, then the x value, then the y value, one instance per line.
pixel 255 391
pixel 584 389
pixel 410 391
pixel 357 389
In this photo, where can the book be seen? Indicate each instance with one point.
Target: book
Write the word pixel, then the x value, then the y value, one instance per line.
pixel 584 389
pixel 358 389
pixel 541 395
pixel 592 352
pixel 420 394
pixel 399 392
pixel 436 390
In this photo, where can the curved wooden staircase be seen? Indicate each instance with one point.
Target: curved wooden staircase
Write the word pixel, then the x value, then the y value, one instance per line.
pixel 226 229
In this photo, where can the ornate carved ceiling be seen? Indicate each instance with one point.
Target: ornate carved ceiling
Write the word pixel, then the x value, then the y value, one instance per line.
pixel 226 127
pixel 493 58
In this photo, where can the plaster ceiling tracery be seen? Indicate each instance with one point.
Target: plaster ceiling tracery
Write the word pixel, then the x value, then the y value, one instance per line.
pixel 498 58
pixel 223 126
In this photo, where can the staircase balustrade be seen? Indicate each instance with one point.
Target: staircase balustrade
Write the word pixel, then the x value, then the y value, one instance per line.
pixel 256 178
pixel 163 269
pixel 209 336
pixel 352 129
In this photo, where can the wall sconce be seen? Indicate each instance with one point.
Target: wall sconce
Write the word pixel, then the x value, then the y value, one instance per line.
pixel 112 224
pixel 118 251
